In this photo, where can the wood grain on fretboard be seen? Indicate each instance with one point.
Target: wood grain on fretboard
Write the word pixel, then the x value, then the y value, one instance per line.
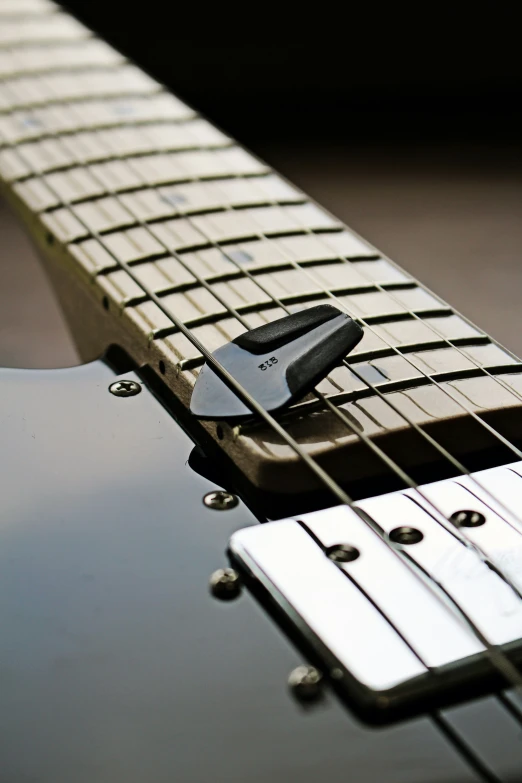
pixel 106 167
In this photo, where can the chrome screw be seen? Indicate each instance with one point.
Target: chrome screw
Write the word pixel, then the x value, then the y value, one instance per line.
pixel 468 519
pixel 406 535
pixel 342 553
pixel 125 388
pixel 220 500
pixel 225 584
pixel 305 683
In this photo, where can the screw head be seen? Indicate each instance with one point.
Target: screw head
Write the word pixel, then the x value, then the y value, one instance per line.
pixel 225 584
pixel 342 553
pixel 305 683
pixel 220 500
pixel 468 518
pixel 125 388
pixel 406 535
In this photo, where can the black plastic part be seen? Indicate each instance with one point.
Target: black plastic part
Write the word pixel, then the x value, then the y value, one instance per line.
pixel 311 367
pixel 278 333
pixel 277 363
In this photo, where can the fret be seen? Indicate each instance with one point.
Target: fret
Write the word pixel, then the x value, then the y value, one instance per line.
pixel 49 28
pixel 25 7
pixel 105 214
pixel 48 155
pixel 36 194
pixel 13 166
pixel 74 185
pixel 411 332
pixel 85 115
pixel 230 226
pixel 114 166
pixel 120 288
pixel 146 205
pixel 120 176
pixel 133 245
pixel 115 176
pixel 183 166
pixel 40 157
pixel 200 197
pixel 178 233
pixel 92 256
pixel 41 59
pixel 80 86
pixel 63 225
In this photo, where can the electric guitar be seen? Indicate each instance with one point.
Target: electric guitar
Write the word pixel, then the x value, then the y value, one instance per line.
pixel 271 529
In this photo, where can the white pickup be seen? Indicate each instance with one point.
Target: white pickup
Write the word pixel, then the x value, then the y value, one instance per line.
pixel 400 637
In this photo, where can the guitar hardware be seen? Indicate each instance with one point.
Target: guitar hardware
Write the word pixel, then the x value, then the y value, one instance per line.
pixel 225 584
pixel 125 388
pixel 220 500
pixel 168 240
pixel 306 683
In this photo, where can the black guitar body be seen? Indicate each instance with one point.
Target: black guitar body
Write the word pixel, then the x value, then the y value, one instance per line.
pixel 117 664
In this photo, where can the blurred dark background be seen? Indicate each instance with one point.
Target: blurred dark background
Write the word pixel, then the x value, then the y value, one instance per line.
pixel 405 124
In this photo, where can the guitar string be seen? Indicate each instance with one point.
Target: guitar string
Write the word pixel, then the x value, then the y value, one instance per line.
pixel 390 464
pixel 209 358
pixel 500 661
pixel 463 747
pixel 344 307
pixel 413 424
pixel 412 314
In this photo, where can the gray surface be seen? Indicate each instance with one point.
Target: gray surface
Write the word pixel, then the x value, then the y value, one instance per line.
pixel 451 217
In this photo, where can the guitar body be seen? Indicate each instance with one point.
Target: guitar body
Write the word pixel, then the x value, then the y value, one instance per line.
pixel 117 662
pixel 121 658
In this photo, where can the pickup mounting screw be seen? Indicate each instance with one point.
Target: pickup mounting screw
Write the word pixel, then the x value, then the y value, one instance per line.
pixel 125 388
pixel 220 500
pixel 342 553
pixel 225 584
pixel 406 535
pixel 468 519
pixel 305 683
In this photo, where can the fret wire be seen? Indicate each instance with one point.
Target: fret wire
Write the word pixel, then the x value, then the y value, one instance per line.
pixel 395 349
pixel 498 658
pixel 391 464
pixel 114 156
pixel 128 123
pixel 244 323
pixel 311 463
pixel 503 663
pixel 72 100
pixel 445 453
pixel 328 293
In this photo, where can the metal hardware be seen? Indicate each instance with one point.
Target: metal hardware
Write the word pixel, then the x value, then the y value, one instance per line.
pixel 305 683
pixel 468 518
pixel 225 584
pixel 342 553
pixel 406 535
pixel 220 500
pixel 125 388
pixel 382 628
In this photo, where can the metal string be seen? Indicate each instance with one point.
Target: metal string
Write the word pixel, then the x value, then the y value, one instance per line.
pixel 393 466
pixel 498 658
pixel 200 347
pixel 342 305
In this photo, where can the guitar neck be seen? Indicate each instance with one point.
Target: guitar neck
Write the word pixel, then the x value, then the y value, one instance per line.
pixel 153 223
